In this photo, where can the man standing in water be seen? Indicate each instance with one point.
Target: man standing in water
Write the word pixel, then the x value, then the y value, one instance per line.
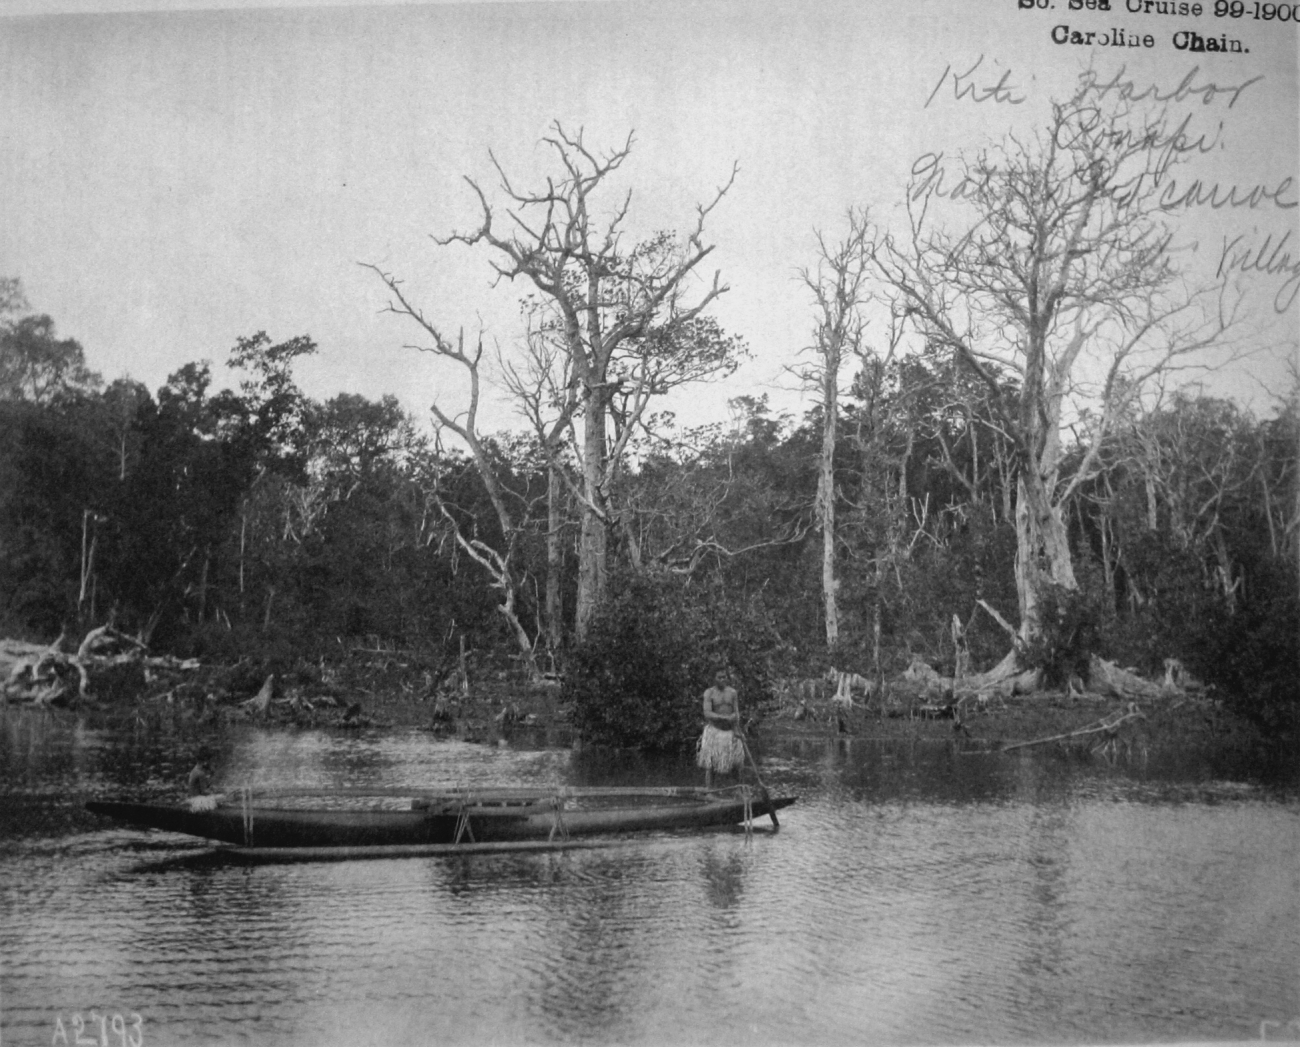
pixel 721 748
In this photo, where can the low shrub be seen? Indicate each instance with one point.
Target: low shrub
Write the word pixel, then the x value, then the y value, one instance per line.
pixel 1253 655
pixel 650 653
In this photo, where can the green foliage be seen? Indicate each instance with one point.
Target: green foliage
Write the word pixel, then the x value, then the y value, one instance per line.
pixel 1175 594
pixel 37 366
pixel 271 407
pixel 47 476
pixel 1073 624
pixel 1253 655
pixel 255 523
pixel 638 679
pixel 946 579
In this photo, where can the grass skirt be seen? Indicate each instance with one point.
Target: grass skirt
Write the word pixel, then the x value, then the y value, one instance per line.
pixel 720 751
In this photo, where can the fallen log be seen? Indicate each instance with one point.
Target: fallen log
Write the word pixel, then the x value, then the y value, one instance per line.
pixel 1000 679
pixel 1106 725
pixel 1107 678
pixel 14 653
pixel 107 642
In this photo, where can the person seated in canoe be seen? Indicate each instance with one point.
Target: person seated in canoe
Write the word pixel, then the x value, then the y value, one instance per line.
pixel 200 780
pixel 721 748
pixel 200 785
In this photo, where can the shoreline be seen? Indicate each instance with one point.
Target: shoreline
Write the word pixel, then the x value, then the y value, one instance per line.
pixel 499 713
pixel 496 706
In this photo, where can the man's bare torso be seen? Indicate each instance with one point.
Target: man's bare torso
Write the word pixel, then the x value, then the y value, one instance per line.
pixel 721 701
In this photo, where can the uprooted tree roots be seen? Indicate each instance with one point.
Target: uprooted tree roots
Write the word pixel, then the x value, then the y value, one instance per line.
pixel 111 668
pixel 922 692
pixel 922 685
pixel 107 666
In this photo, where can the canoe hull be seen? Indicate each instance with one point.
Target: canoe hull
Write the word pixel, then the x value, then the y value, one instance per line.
pixel 277 827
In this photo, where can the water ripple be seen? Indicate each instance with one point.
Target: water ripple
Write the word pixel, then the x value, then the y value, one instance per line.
pixel 912 896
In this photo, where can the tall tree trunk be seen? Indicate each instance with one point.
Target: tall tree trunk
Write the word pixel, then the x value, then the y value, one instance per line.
pixel 838 286
pixel 243 541
pixel 87 554
pixel 507 609
pixel 1227 582
pixel 594 543
pixel 554 560
pixel 1268 511
pixel 877 618
pixel 203 584
pixel 1109 557
pixel 1042 550
pixel 1006 473
pixel 826 500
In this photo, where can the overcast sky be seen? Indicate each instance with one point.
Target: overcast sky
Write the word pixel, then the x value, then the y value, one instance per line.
pixel 173 179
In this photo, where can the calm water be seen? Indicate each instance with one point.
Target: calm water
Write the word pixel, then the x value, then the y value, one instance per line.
pixel 914 895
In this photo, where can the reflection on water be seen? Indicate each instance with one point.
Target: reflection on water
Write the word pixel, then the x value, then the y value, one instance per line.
pixel 915 894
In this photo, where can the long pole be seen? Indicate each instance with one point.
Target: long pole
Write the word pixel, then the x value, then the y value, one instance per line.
pixel 771 811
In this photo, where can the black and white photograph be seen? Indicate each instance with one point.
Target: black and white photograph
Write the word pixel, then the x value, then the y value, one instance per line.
pixel 649 522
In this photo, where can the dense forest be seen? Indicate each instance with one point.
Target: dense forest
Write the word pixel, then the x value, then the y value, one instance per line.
pixel 932 480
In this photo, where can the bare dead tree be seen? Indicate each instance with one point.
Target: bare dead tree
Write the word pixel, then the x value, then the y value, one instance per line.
pixel 545 391
pixel 838 285
pixel 882 429
pixel 498 563
pixel 1198 456
pixel 612 301
pixel 1059 271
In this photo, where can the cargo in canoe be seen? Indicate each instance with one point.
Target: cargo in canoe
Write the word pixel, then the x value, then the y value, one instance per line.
pixel 275 821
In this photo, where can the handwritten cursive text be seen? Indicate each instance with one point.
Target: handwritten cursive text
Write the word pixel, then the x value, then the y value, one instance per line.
pixel 1270 259
pixel 1127 91
pixel 1000 92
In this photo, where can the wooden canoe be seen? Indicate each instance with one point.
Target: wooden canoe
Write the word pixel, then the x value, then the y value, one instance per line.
pixel 434 821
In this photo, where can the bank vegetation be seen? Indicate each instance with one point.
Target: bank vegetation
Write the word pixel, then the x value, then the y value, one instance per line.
pixel 1000 488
